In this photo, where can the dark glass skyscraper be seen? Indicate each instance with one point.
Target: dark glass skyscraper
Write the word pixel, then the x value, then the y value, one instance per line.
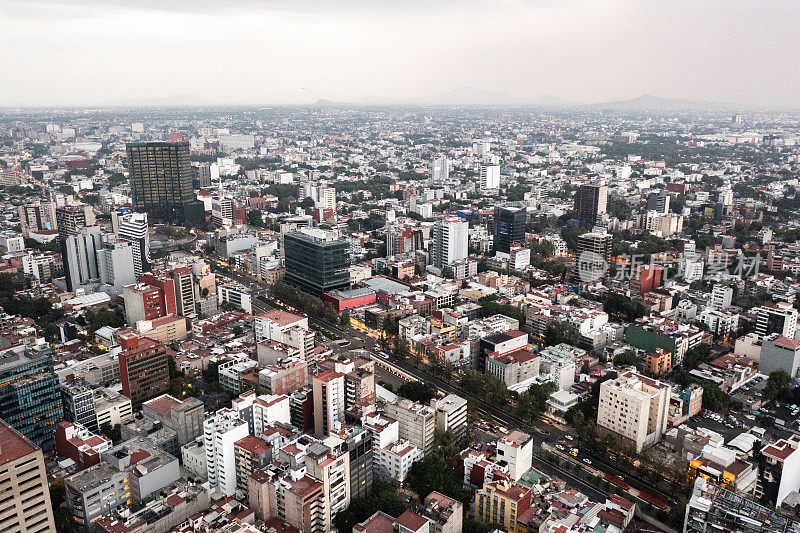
pixel 316 262
pixel 509 226
pixel 161 180
pixel 30 398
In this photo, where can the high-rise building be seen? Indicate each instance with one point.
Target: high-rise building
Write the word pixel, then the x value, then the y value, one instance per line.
pixel 221 432
pixel 439 169
pixel 329 396
pixel 79 255
pixel 509 226
pixel 37 216
pixel 161 180
pixel 417 423
pixel 78 403
pixel 134 229
pixel 184 290
pixel 115 265
pixel 251 454
pixel 222 212
pixel 144 302
pixel 25 505
pixel 490 177
pixel 143 368
pixel 635 408
pixel 590 201
pixel 316 261
pixel 450 241
pixel 30 398
pixel 596 242
pixel 658 201
pixel 780 317
pixel 333 469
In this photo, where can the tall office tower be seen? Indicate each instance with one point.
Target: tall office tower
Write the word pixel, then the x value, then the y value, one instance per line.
pixel 590 201
pixel 450 239
pixel 78 402
pixel 329 395
pixel 509 226
pixel 80 256
pixel 184 290
pixel 134 229
pixel 68 221
pixel 316 261
pixel 143 369
pixel 597 242
pixel 220 433
pixel 161 180
pixel 659 202
pixel 439 169
pixel 37 216
pixel 30 398
pixel 490 177
pixel 115 265
pixel 25 506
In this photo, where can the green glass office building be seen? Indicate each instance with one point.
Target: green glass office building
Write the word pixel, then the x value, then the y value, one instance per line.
pixel 316 262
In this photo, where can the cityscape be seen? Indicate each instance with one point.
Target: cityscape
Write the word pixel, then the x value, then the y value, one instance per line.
pixel 468 312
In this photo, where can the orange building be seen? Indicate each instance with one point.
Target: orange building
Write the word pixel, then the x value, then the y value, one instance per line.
pixel 658 362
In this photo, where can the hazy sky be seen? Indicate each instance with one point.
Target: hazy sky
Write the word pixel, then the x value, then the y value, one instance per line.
pixel 83 52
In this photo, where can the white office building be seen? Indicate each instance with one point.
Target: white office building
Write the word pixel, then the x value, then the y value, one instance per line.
pixel 490 177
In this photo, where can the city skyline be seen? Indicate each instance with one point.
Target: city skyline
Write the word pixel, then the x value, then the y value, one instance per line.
pixel 375 53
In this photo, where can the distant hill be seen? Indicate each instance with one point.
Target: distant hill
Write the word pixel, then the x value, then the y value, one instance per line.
pixel 648 102
pixel 467 96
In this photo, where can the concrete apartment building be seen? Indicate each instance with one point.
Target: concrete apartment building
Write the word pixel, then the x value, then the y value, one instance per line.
pixel 779 353
pixel 451 414
pixel 778 471
pixel 220 433
pixel 329 396
pixel 333 470
pixel 183 417
pixel 635 408
pixel 445 514
pixel 417 423
pixel 502 502
pixel 144 369
pixel 25 504
pixel 516 449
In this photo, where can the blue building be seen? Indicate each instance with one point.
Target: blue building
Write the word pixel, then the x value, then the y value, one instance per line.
pixel 30 398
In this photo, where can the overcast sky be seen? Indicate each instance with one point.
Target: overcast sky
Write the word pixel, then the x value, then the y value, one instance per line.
pixel 83 52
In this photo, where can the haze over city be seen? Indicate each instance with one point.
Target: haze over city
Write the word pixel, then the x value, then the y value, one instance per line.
pixel 509 52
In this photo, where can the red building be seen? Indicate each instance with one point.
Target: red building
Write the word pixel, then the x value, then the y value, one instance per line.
pixel 143 368
pixel 79 444
pixel 646 278
pixel 342 300
pixel 164 282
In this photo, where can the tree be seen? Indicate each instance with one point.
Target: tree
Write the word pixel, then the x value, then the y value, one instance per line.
pixel 441 471
pixel 559 331
pixel 623 307
pixel 237 330
pixel 448 273
pixel 628 357
pixel 255 218
pixel 777 382
pixel 344 318
pixel 418 391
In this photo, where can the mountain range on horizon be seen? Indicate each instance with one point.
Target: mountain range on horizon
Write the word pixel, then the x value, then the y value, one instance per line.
pixel 458 97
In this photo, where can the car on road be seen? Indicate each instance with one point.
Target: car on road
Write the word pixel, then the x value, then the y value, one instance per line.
pixel 569 437
pixel 560 447
pixel 574 450
pixel 587 461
